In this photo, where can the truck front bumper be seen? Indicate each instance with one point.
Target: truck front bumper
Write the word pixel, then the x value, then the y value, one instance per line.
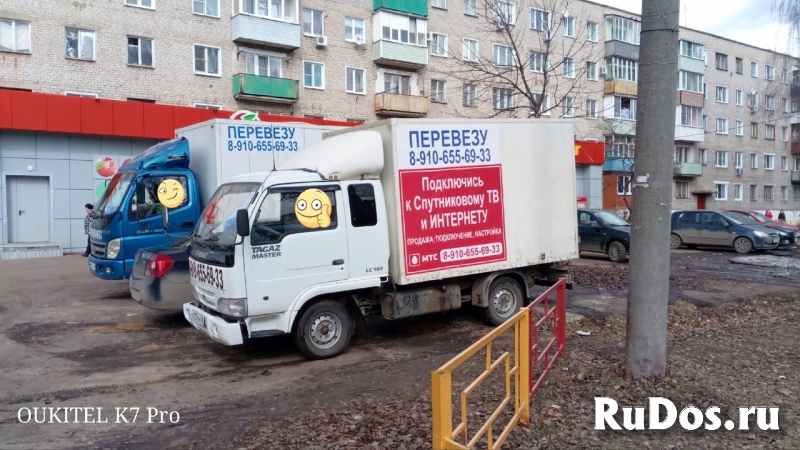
pixel 215 327
pixel 108 269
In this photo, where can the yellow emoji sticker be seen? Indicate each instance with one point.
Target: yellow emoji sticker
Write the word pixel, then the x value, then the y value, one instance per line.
pixel 313 209
pixel 171 193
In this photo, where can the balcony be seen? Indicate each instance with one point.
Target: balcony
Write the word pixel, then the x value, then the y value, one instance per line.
pixel 621 87
pixel 796 177
pixel 796 147
pixel 687 169
pixel 396 54
pixel 795 118
pixel 689 134
pixel 250 29
pixel 415 7
pixel 264 89
pixel 618 164
pixel 691 64
pixel 622 50
pixel 397 105
pixel 690 98
pixel 619 126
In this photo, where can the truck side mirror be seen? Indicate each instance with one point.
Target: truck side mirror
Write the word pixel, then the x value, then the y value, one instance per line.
pixel 165 219
pixel 242 223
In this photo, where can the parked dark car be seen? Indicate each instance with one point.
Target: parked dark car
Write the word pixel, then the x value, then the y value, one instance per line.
pixel 719 229
pixel 604 232
pixel 767 222
pixel 787 238
pixel 160 278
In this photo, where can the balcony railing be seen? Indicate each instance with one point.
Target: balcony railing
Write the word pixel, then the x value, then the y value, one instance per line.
pixel 687 169
pixel 618 164
pixel 416 7
pixel 251 29
pixel 397 54
pixel 264 89
pixel 796 177
pixel 397 105
pixel 795 147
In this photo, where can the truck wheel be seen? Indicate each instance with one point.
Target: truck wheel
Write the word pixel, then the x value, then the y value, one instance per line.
pixel 505 300
pixel 675 241
pixel 616 252
pixel 742 245
pixel 323 330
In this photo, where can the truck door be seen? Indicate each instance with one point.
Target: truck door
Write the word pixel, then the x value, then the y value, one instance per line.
pixel 297 241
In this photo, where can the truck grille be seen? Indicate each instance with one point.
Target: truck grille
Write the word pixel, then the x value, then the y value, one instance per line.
pixel 98 249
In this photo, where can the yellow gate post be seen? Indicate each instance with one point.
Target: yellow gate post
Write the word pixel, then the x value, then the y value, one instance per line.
pixel 524 355
pixel 442 408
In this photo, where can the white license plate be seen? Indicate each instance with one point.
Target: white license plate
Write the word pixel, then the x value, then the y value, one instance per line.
pixel 198 319
pixel 206 274
pixel 92 266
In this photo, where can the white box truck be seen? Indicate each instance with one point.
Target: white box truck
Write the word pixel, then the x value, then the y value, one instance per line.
pixel 402 217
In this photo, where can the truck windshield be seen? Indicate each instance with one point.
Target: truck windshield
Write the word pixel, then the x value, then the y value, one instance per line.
pixel 610 219
pixel 115 192
pixel 218 222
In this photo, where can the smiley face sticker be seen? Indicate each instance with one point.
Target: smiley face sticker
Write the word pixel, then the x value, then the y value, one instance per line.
pixel 171 193
pixel 313 209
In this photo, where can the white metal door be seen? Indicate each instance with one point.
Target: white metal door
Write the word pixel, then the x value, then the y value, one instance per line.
pixel 28 209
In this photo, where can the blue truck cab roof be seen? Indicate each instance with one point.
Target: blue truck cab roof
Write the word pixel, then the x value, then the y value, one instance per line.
pixel 172 154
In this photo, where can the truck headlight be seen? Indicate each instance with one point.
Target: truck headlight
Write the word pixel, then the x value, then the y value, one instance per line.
pixel 761 234
pixel 112 249
pixel 234 307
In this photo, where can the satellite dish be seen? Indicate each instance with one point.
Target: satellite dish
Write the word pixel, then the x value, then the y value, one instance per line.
pixel 359 40
pixel 566 13
pixel 752 91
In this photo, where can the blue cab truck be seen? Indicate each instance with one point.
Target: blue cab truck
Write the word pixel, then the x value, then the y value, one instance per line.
pixel 201 157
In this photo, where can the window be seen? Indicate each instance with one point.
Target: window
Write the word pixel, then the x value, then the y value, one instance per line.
pixel 703 156
pixel 681 189
pixel 592 31
pixel 313 22
pixel 753 97
pixel 769 102
pixel 206 7
pixel 769 72
pixel 784 163
pixel 438 44
pixel 591 109
pixel 313 75
pixel 206 60
pixel 784 76
pixel 720 190
pixel 140 3
pixel 625 108
pixel 404 29
pixel 785 193
pixel 690 81
pixel 722 159
pixel 705 90
pixel 722 94
pixel 621 69
pixel 469 95
pixel 620 146
pixel 502 98
pixel 145 203
pixel 470 51
pixel 502 56
pixel 622 29
pixel 769 193
pixel 569 67
pixel 737 192
pixel 722 61
pixel 691 49
pixel 623 185
pixel 785 105
pixel 691 116
pixel 739 97
pixel 722 125
pixel 540 19
pixel 276 217
pixel 769 132
pixel 354 83
pixel 738 160
pixel 140 51
pixel 438 91
pixel 569 26
pixel 739 65
pixel 754 69
pixel 441 4
pixel 795 106
pixel 80 44
pixel 754 160
pixel 753 192
pixel 539 62
pixel 568 107
pixel 739 128
pixel 504 13
pixel 544 104
pixel 769 161
pixel 591 70
pixel 397 84
pixel 285 10
pixel 753 129
pixel 470 7
pixel 705 122
pixel 15 36
pixel 363 212
pixel 354 30
pixel 681 154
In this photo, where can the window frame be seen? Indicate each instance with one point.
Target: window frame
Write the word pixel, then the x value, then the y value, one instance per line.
pixel 769 161
pixel 681 189
pixel 684 81
pixel 139 46
pixel 724 156
pixel 444 4
pixel 336 212
pixel 723 184
pixel 14 24
pixel 769 102
pixel 719 89
pixel 738 192
pixel 739 66
pixel 374 209
pixel 465 94
pixel 544 60
pixel 442 91
pixel 723 58
pixel 754 130
pixel 205 8
pixel 769 132
pixel 510 11
pixel 592 74
pixel 590 26
pixel 544 107
pixel 465 49
pixel 691 49
pixel 508 53
pixel 353 27
pixel 355 70
pixel 591 109
pixel 694 115
pixel 738 160
pixel 80 32
pixel 739 97
pixel 569 67
pixel 474 5
pixel 769 72
pixel 312 23
pixel 138 4
pixel 753 192
pixel 546 20
pixel 503 98
pixel 724 122
pixel 753 160
pixel 322 88
pixel 569 26
pixel 256 66
pixel 754 69
pixel 443 46
pixel 739 128
pixel 769 188
pixel 568 107
pixel 622 69
pixel 626 182
pixel 219 60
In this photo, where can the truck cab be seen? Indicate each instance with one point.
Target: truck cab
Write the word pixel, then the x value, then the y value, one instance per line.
pixel 128 215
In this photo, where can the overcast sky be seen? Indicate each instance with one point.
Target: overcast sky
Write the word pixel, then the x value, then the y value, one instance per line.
pixel 748 21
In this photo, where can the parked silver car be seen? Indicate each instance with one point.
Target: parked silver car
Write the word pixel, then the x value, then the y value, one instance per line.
pixel 719 229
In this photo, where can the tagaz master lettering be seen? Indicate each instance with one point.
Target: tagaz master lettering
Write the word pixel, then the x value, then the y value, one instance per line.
pixel 267 251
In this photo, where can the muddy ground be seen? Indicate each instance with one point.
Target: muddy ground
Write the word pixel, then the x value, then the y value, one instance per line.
pixel 70 340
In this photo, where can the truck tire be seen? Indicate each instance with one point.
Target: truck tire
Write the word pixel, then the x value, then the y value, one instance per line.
pixel 323 330
pixel 505 300
pixel 742 245
pixel 616 252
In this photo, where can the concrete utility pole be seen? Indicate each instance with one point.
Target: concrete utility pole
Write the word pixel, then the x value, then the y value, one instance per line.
pixel 648 285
